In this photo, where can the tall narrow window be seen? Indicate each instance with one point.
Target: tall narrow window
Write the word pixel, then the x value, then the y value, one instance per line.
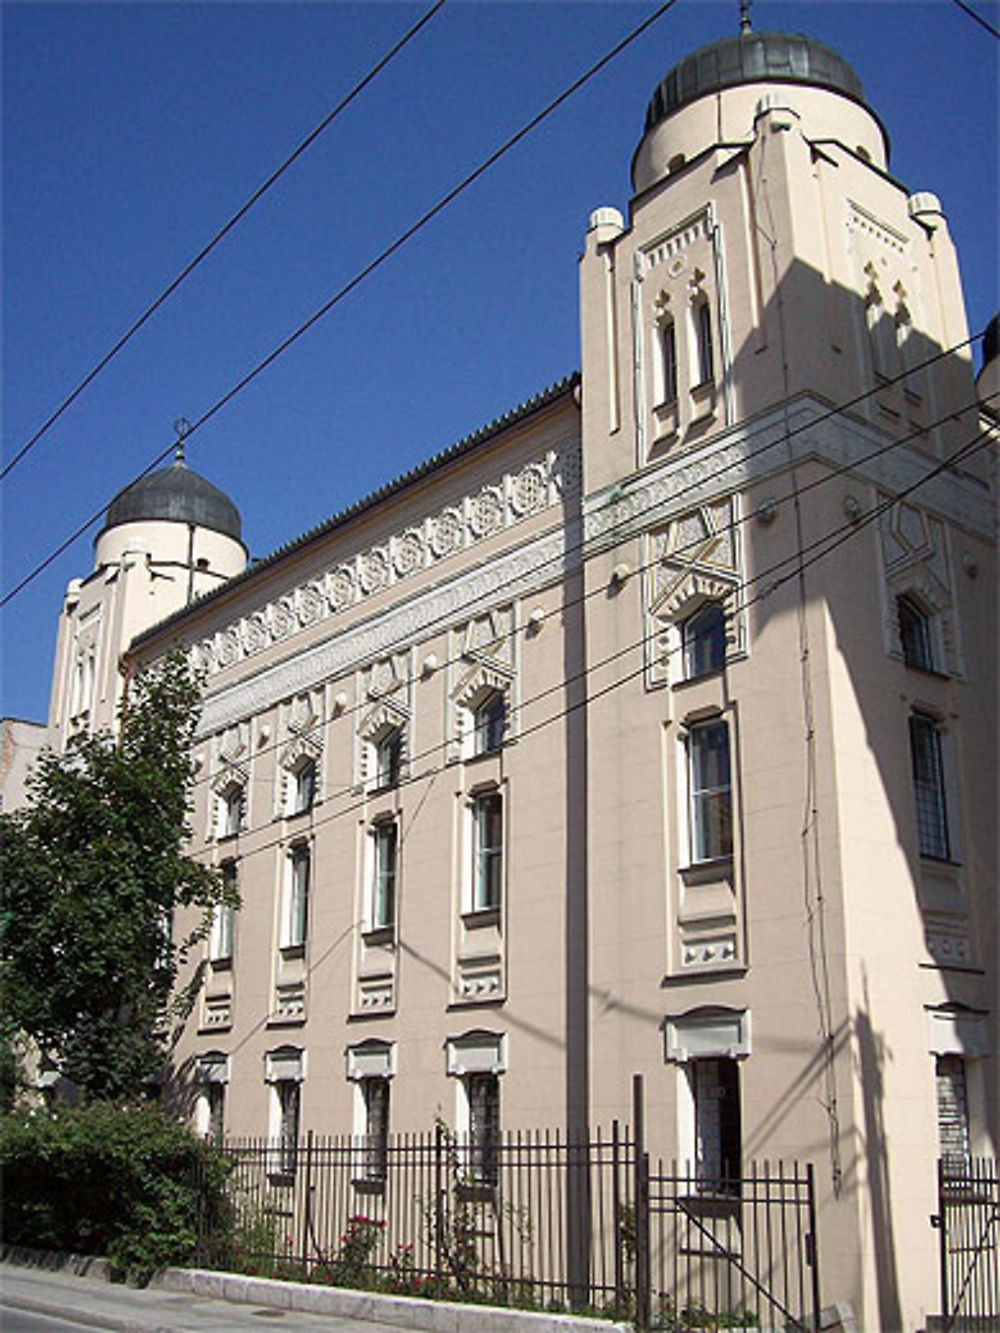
pixel 952 1106
pixel 304 790
pixel 231 811
pixel 710 791
pixel 668 360
pixel 296 898
pixel 929 787
pixel 703 340
pixel 215 1107
pixel 383 899
pixel 914 634
pixel 389 758
pixel 715 1085
pixel 703 636
pixel 487 850
pixel 220 939
pixel 490 723
pixel 375 1146
pixel 483 1093
pixel 287 1095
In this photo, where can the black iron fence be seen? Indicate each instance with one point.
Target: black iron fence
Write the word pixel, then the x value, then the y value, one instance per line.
pixel 969 1220
pixel 547 1223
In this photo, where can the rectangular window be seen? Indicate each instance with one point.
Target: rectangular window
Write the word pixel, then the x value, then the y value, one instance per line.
pixel 375 1146
pixel 383 903
pixel 287 1094
pixel 232 812
pixel 304 794
pixel 703 331
pixel 914 634
pixel 483 1093
pixel 490 723
pixel 703 636
pixel 715 1086
pixel 952 1106
pixel 709 791
pixel 220 940
pixel 487 851
pixel 929 787
pixel 296 913
pixel 215 1097
pixel 389 759
pixel 668 353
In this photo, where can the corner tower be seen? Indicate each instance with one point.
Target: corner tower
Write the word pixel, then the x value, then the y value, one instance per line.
pixel 167 538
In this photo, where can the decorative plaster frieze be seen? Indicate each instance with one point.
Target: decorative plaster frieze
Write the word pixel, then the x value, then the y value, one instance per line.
pixel 739 458
pixel 861 221
pixel 516 573
pixel 459 527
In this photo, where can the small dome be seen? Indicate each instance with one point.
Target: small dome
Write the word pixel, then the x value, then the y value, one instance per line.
pixel 752 57
pixel 179 495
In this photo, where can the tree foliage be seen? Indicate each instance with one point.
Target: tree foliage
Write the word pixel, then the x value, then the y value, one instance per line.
pixel 93 870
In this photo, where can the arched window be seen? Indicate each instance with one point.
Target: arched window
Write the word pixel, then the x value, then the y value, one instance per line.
pixel 703 640
pixel 489 723
pixel 389 757
pixel 304 786
pixel 914 633
pixel 668 361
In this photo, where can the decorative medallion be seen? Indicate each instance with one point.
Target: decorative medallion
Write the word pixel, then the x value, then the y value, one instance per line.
pixel 373 571
pixel 527 492
pixel 408 555
pixel 255 635
pixel 340 588
pixel 486 512
pixel 229 647
pixel 446 533
pixel 311 604
pixel 282 618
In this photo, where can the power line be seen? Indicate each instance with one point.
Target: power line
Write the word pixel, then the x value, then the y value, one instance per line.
pixel 359 277
pixel 983 23
pixel 189 268
pixel 448 617
pixel 820 548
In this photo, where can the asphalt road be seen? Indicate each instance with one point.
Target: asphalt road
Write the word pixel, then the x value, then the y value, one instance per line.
pixel 35 1301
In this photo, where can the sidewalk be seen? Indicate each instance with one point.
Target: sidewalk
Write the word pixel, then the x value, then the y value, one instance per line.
pixel 191 1299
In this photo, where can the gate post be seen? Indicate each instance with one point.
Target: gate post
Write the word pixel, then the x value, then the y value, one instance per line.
pixel 641 1195
pixel 942 1224
pixel 812 1254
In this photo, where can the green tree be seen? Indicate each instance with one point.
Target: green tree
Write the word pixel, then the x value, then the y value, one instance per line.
pixel 93 870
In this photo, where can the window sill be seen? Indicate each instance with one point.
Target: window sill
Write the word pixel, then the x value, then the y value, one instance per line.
pixel 285 1021
pixel 221 964
pixel 476 917
pixel 293 950
pixel 940 862
pixel 228 837
pixel 703 676
pixel 379 934
pixel 710 866
pixel 210 1029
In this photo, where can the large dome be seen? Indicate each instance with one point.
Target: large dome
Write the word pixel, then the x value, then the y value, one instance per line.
pixel 177 494
pixel 752 57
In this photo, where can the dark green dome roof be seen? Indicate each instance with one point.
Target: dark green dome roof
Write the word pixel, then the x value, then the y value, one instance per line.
pixel 752 57
pixel 177 494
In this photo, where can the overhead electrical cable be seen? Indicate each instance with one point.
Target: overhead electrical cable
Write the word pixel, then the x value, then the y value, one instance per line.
pixel 819 548
pixel 206 250
pixel 984 23
pixel 448 617
pixel 99 513
pixel 359 277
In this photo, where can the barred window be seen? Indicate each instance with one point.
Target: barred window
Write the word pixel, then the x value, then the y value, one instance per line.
pixel 929 787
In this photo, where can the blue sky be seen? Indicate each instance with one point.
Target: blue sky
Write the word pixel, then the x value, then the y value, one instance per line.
pixel 132 131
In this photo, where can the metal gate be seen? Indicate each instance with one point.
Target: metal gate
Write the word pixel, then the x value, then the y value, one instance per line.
pixel 719 1252
pixel 968 1217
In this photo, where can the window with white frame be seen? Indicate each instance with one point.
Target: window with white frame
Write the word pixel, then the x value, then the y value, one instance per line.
pixel 220 937
pixel 284 1073
pixel 295 913
pixel 703 640
pixel 211 1075
pixel 489 723
pixel 487 850
pixel 704 355
pixel 385 866
pixel 708 1044
pixel 231 803
pixel 477 1060
pixel 303 786
pixel 929 787
pixel 667 336
pixel 710 803
pixel 388 748
pixel 958 1039
pixel 914 633
pixel 370 1066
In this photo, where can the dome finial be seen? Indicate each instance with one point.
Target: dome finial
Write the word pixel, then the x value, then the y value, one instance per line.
pixel 745 24
pixel 182 426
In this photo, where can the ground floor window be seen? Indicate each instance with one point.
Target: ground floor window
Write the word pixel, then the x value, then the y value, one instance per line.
pixel 952 1106
pixel 483 1094
pixel 715 1089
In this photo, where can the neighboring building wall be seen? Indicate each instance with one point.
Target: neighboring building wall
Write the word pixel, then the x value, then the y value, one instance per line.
pixel 20 744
